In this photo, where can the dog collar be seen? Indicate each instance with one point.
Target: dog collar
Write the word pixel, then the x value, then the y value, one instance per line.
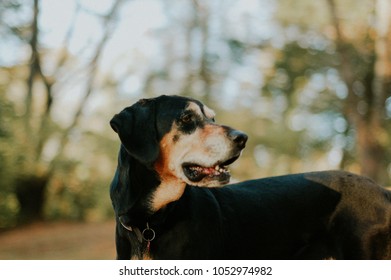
pixel 148 234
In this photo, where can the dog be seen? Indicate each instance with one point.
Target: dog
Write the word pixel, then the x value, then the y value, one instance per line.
pixel 172 198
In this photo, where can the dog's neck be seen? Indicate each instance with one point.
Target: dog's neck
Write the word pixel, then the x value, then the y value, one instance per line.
pixel 145 191
pixel 169 190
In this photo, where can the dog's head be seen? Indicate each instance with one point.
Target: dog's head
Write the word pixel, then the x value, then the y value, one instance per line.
pixel 178 138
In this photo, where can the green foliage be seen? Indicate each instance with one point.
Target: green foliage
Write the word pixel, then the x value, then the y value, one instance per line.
pixel 8 203
pixel 78 189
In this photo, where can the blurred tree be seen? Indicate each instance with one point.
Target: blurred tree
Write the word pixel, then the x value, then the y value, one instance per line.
pixel 368 89
pixel 34 171
pixel 328 85
pixel 315 71
pixel 8 203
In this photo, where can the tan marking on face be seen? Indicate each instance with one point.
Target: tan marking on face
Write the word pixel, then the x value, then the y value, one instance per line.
pixel 166 147
pixel 210 131
pixel 195 108
pixel 209 113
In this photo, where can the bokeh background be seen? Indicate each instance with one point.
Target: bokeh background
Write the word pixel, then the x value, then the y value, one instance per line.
pixel 309 81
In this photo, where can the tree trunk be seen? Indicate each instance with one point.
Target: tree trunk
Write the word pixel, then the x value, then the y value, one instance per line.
pixel 371 154
pixel 33 69
pixel 30 189
pixel 30 192
pixel 369 125
pixel 381 86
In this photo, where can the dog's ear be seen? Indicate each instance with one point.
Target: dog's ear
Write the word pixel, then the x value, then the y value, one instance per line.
pixel 123 194
pixel 136 128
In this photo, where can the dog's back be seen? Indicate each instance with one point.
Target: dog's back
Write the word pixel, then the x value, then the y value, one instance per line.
pixel 320 215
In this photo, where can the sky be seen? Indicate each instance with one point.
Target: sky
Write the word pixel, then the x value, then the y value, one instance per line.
pixel 137 24
pixel 135 46
pixel 136 19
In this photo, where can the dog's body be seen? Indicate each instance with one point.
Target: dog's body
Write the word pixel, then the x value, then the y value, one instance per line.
pixel 169 205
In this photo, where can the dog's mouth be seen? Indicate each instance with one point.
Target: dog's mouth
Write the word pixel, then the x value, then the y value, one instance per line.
pixel 218 171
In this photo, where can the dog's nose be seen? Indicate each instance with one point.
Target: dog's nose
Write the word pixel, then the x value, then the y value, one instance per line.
pixel 238 137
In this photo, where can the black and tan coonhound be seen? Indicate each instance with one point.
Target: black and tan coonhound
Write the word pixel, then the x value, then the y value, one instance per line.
pixel 172 199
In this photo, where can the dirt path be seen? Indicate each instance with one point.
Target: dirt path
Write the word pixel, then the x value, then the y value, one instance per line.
pixel 59 241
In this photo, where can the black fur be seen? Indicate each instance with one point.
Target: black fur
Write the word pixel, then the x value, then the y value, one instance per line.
pixel 318 215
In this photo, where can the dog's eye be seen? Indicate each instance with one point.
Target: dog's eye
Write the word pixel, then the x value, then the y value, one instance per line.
pixel 187 118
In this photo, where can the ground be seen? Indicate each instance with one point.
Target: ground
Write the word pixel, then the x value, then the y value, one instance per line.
pixel 59 241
